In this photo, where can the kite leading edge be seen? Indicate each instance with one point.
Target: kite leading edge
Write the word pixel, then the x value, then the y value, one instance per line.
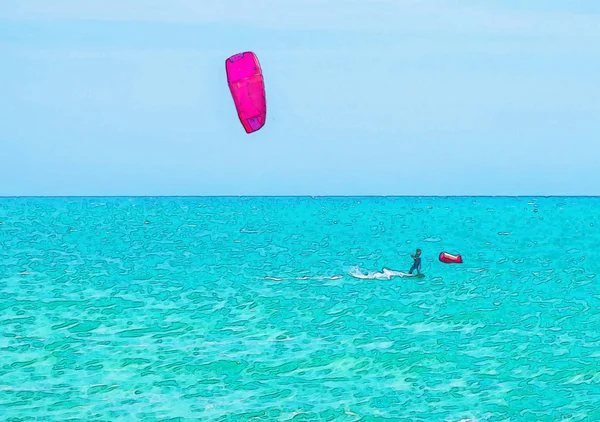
pixel 246 83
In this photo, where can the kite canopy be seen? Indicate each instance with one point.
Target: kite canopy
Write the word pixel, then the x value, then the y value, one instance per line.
pixel 450 259
pixel 247 87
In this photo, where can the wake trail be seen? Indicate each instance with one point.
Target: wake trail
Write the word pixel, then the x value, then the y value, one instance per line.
pixel 386 273
pixel 307 277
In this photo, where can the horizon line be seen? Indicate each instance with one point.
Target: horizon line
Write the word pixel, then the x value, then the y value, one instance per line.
pixel 298 196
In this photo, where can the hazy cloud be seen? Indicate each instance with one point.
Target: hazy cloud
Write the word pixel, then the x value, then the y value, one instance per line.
pixel 375 15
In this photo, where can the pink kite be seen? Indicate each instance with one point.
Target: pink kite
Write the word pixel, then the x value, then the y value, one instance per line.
pixel 247 87
pixel 450 259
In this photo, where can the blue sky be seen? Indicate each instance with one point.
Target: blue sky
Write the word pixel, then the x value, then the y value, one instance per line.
pixel 385 97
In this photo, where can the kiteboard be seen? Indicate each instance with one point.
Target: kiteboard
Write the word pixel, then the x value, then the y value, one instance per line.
pixel 246 83
pixel 415 275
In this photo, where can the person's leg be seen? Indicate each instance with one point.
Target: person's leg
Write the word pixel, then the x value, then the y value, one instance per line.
pixel 412 268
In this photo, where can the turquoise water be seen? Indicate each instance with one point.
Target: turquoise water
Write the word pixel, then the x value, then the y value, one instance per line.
pixel 214 309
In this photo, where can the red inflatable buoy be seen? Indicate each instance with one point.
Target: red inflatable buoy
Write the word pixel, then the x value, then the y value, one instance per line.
pixel 450 259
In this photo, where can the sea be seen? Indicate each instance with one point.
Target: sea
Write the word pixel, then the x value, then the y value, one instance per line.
pixel 299 309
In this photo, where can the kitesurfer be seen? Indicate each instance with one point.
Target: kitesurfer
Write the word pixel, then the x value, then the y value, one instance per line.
pixel 417 262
